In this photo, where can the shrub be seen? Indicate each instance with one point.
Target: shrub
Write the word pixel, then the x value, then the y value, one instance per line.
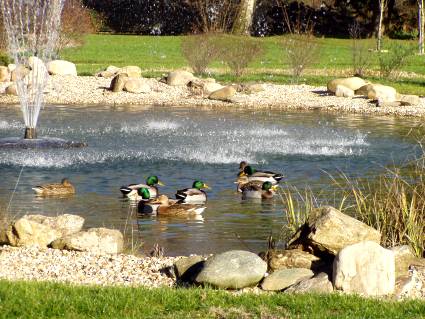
pixel 394 58
pixel 300 50
pixel 238 51
pixel 199 51
pixel 361 51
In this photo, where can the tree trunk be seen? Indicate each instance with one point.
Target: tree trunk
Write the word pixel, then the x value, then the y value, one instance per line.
pixel 382 4
pixel 421 25
pixel 243 22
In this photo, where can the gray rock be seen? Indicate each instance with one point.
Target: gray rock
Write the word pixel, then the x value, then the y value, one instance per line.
pixel 118 82
pixel 365 268
pixel 293 258
pixel 329 230
pixel 179 78
pixel 411 286
pixel 27 232
pixel 233 270
pixel 382 93
pixel 132 71
pixel 136 85
pixel 66 224
pixel 285 278
pixel 183 264
pixel 409 100
pixel 105 74
pixel 20 72
pixel 318 284
pixel 342 91
pixel 223 94
pixel 95 240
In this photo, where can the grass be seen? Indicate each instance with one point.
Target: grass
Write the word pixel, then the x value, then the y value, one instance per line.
pixel 51 300
pixel 157 55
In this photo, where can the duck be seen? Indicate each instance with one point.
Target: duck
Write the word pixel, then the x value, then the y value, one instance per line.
pixel 130 191
pixel 264 190
pixel 146 204
pixel 169 207
pixel 263 176
pixel 193 195
pixel 63 188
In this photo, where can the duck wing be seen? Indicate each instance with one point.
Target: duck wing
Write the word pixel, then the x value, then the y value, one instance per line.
pixel 251 186
pixel 191 194
pixel 125 190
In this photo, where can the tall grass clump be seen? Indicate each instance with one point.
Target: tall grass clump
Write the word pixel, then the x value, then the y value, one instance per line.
pixel 394 59
pixel 300 51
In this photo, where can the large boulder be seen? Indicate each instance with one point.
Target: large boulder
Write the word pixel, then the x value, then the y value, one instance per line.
pixel 12 90
pixel 318 284
pixel 232 270
pixel 352 83
pixel 210 87
pixel 186 267
pixel 94 240
pixel 382 93
pixel 118 82
pixel 61 67
pixel 136 85
pixel 28 232
pixel 284 278
pixel 293 258
pixel 132 71
pixel 179 78
pixel 328 230
pixel 66 224
pixel 365 268
pixel 223 94
pixel 342 91
pixel 4 74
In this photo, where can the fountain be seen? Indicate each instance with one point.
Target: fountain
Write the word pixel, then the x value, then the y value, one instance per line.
pixel 32 28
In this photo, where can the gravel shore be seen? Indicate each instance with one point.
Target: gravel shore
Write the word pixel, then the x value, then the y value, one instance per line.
pixel 89 90
pixel 83 268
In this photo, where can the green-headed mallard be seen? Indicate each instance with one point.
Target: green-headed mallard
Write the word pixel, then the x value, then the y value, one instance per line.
pixel 264 190
pixel 130 191
pixel 167 207
pixel 63 188
pixel 263 176
pixel 193 195
pixel 146 205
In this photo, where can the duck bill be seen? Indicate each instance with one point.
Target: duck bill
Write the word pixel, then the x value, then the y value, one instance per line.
pixel 275 187
pixel 160 183
pixel 206 186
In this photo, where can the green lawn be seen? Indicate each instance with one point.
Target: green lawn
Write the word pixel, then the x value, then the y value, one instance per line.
pixel 48 300
pixel 157 55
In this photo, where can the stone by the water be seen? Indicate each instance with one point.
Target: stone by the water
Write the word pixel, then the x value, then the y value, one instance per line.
pixel 284 278
pixel 318 284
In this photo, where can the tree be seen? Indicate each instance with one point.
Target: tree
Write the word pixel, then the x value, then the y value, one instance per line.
pixel 421 25
pixel 243 21
pixel 382 6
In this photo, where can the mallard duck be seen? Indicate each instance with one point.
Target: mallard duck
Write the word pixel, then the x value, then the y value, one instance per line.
pixel 194 194
pixel 63 188
pixel 146 204
pixel 265 190
pixel 130 191
pixel 243 180
pixel 263 176
pixel 167 207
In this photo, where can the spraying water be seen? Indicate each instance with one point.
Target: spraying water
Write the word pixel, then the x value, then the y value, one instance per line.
pixel 32 30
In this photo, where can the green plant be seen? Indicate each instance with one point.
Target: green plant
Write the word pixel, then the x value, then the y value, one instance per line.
pixel 238 51
pixel 394 58
pixel 4 59
pixel 199 51
pixel 361 51
pixel 301 51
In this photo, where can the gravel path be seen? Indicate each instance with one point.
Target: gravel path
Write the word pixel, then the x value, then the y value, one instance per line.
pixel 93 91
pixel 83 268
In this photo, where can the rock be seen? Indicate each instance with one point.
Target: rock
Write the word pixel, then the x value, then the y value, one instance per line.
pixel 404 258
pixel 61 67
pixel 12 90
pixel 364 89
pixel 20 72
pixel 318 284
pixel 328 230
pixel 255 88
pixel 27 232
pixel 365 268
pixel 342 91
pixel 285 278
pixel 382 93
pixel 186 263
pixel 118 82
pixel 179 78
pixel 293 258
pixel 4 74
pixel 409 100
pixel 105 74
pixel 223 94
pixel 112 69
pixel 382 103
pixel 132 71
pixel 233 269
pixel 136 85
pixel 411 286
pixel 66 224
pixel 210 87
pixel 352 83
pixel 94 240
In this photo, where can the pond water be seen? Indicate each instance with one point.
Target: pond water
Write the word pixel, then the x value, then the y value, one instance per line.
pixel 183 144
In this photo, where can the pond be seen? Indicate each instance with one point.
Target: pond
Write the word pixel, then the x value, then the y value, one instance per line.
pixel 181 145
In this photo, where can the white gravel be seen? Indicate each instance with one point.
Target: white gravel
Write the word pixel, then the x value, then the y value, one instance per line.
pixel 83 268
pixel 70 90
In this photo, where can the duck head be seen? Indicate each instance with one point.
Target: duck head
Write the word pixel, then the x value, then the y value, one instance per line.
pixel 199 185
pixel 153 180
pixel 144 193
pixel 242 165
pixel 248 170
pixel 66 182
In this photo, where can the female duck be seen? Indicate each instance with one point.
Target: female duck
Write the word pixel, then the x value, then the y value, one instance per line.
pixel 131 191
pixel 193 195
pixel 262 176
pixel 167 207
pixel 63 188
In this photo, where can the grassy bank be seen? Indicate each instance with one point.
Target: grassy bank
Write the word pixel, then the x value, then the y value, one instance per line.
pixel 48 300
pixel 156 55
